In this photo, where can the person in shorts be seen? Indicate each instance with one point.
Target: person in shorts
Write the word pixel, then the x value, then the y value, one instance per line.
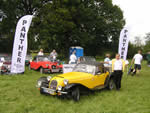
pixel 137 59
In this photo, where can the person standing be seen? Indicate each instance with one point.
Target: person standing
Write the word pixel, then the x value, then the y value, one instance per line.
pixel 73 58
pixel 118 66
pixel 137 59
pixel 106 62
pixel 107 59
pixel 40 52
pixel 53 55
pixel 2 60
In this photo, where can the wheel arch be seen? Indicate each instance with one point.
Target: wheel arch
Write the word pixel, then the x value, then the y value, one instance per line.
pixel 73 85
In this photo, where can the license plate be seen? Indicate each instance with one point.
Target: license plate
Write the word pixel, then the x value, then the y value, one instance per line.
pixel 48 91
pixel 55 70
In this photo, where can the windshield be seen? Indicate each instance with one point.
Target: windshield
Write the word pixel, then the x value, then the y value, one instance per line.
pixel 84 68
pixel 43 58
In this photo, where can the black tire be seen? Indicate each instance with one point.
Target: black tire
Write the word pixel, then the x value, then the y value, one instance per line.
pixel 43 85
pixel 111 84
pixel 76 94
pixel 43 79
pixel 41 70
pixel 106 82
pixel 60 70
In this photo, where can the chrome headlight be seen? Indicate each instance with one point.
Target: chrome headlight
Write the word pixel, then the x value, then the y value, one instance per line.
pixel 39 83
pixel 49 78
pixel 59 88
pixel 65 81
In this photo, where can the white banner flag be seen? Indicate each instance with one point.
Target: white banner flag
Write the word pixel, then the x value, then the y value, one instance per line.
pixel 123 43
pixel 20 44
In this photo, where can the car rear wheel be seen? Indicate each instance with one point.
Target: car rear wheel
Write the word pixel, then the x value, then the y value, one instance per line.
pixel 41 70
pixel 111 84
pixel 76 94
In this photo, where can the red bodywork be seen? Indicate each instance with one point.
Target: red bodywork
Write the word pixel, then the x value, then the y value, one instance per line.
pixel 6 65
pixel 47 66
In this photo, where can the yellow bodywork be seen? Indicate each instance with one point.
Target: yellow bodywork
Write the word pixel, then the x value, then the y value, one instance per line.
pixel 88 80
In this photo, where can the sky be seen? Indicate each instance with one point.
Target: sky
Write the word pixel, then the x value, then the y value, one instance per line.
pixel 137 16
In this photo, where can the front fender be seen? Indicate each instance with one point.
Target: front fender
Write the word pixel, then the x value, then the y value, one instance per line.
pixel 44 66
pixel 69 86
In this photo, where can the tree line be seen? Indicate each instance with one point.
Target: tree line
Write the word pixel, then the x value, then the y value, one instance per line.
pixel 94 25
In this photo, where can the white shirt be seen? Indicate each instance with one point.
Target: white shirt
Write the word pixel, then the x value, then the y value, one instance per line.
pixel 53 55
pixel 40 53
pixel 106 60
pixel 118 65
pixel 1 63
pixel 73 58
pixel 137 59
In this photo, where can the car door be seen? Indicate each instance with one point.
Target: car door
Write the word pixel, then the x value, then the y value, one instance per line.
pixel 33 64
pixel 99 77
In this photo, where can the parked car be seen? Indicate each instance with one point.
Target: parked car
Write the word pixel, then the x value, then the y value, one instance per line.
pixel 86 76
pixel 45 65
pixel 28 59
pixel 87 58
pixel 5 64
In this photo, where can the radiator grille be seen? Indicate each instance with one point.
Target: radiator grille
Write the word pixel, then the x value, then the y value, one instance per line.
pixel 53 84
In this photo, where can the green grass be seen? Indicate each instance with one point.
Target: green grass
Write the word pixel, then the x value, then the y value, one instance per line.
pixel 18 94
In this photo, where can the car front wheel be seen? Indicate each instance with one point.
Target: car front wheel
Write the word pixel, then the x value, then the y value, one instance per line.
pixel 76 94
pixel 43 85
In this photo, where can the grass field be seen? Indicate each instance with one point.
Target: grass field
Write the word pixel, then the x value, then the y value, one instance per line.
pixel 18 94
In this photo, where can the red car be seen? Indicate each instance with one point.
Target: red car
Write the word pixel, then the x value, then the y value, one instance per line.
pixel 45 64
pixel 5 64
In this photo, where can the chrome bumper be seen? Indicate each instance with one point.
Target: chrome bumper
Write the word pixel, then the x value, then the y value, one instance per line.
pixel 52 91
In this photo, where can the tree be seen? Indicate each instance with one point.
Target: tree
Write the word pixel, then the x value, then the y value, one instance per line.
pixel 147 43
pixel 13 11
pixel 138 41
pixel 87 23
pixel 93 24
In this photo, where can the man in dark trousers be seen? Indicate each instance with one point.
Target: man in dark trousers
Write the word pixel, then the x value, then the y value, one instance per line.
pixel 118 66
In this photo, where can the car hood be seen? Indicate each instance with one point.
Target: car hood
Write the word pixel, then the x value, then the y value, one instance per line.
pixel 74 75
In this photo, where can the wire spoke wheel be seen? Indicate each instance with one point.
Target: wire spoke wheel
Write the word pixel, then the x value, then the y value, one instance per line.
pixel 76 94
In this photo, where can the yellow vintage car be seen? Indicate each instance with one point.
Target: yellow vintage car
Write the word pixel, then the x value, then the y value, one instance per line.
pixel 85 76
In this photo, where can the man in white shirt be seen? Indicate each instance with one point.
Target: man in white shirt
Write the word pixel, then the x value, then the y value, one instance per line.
pixel 73 58
pixel 107 65
pixel 40 52
pixel 53 55
pixel 118 66
pixel 107 59
pixel 137 59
